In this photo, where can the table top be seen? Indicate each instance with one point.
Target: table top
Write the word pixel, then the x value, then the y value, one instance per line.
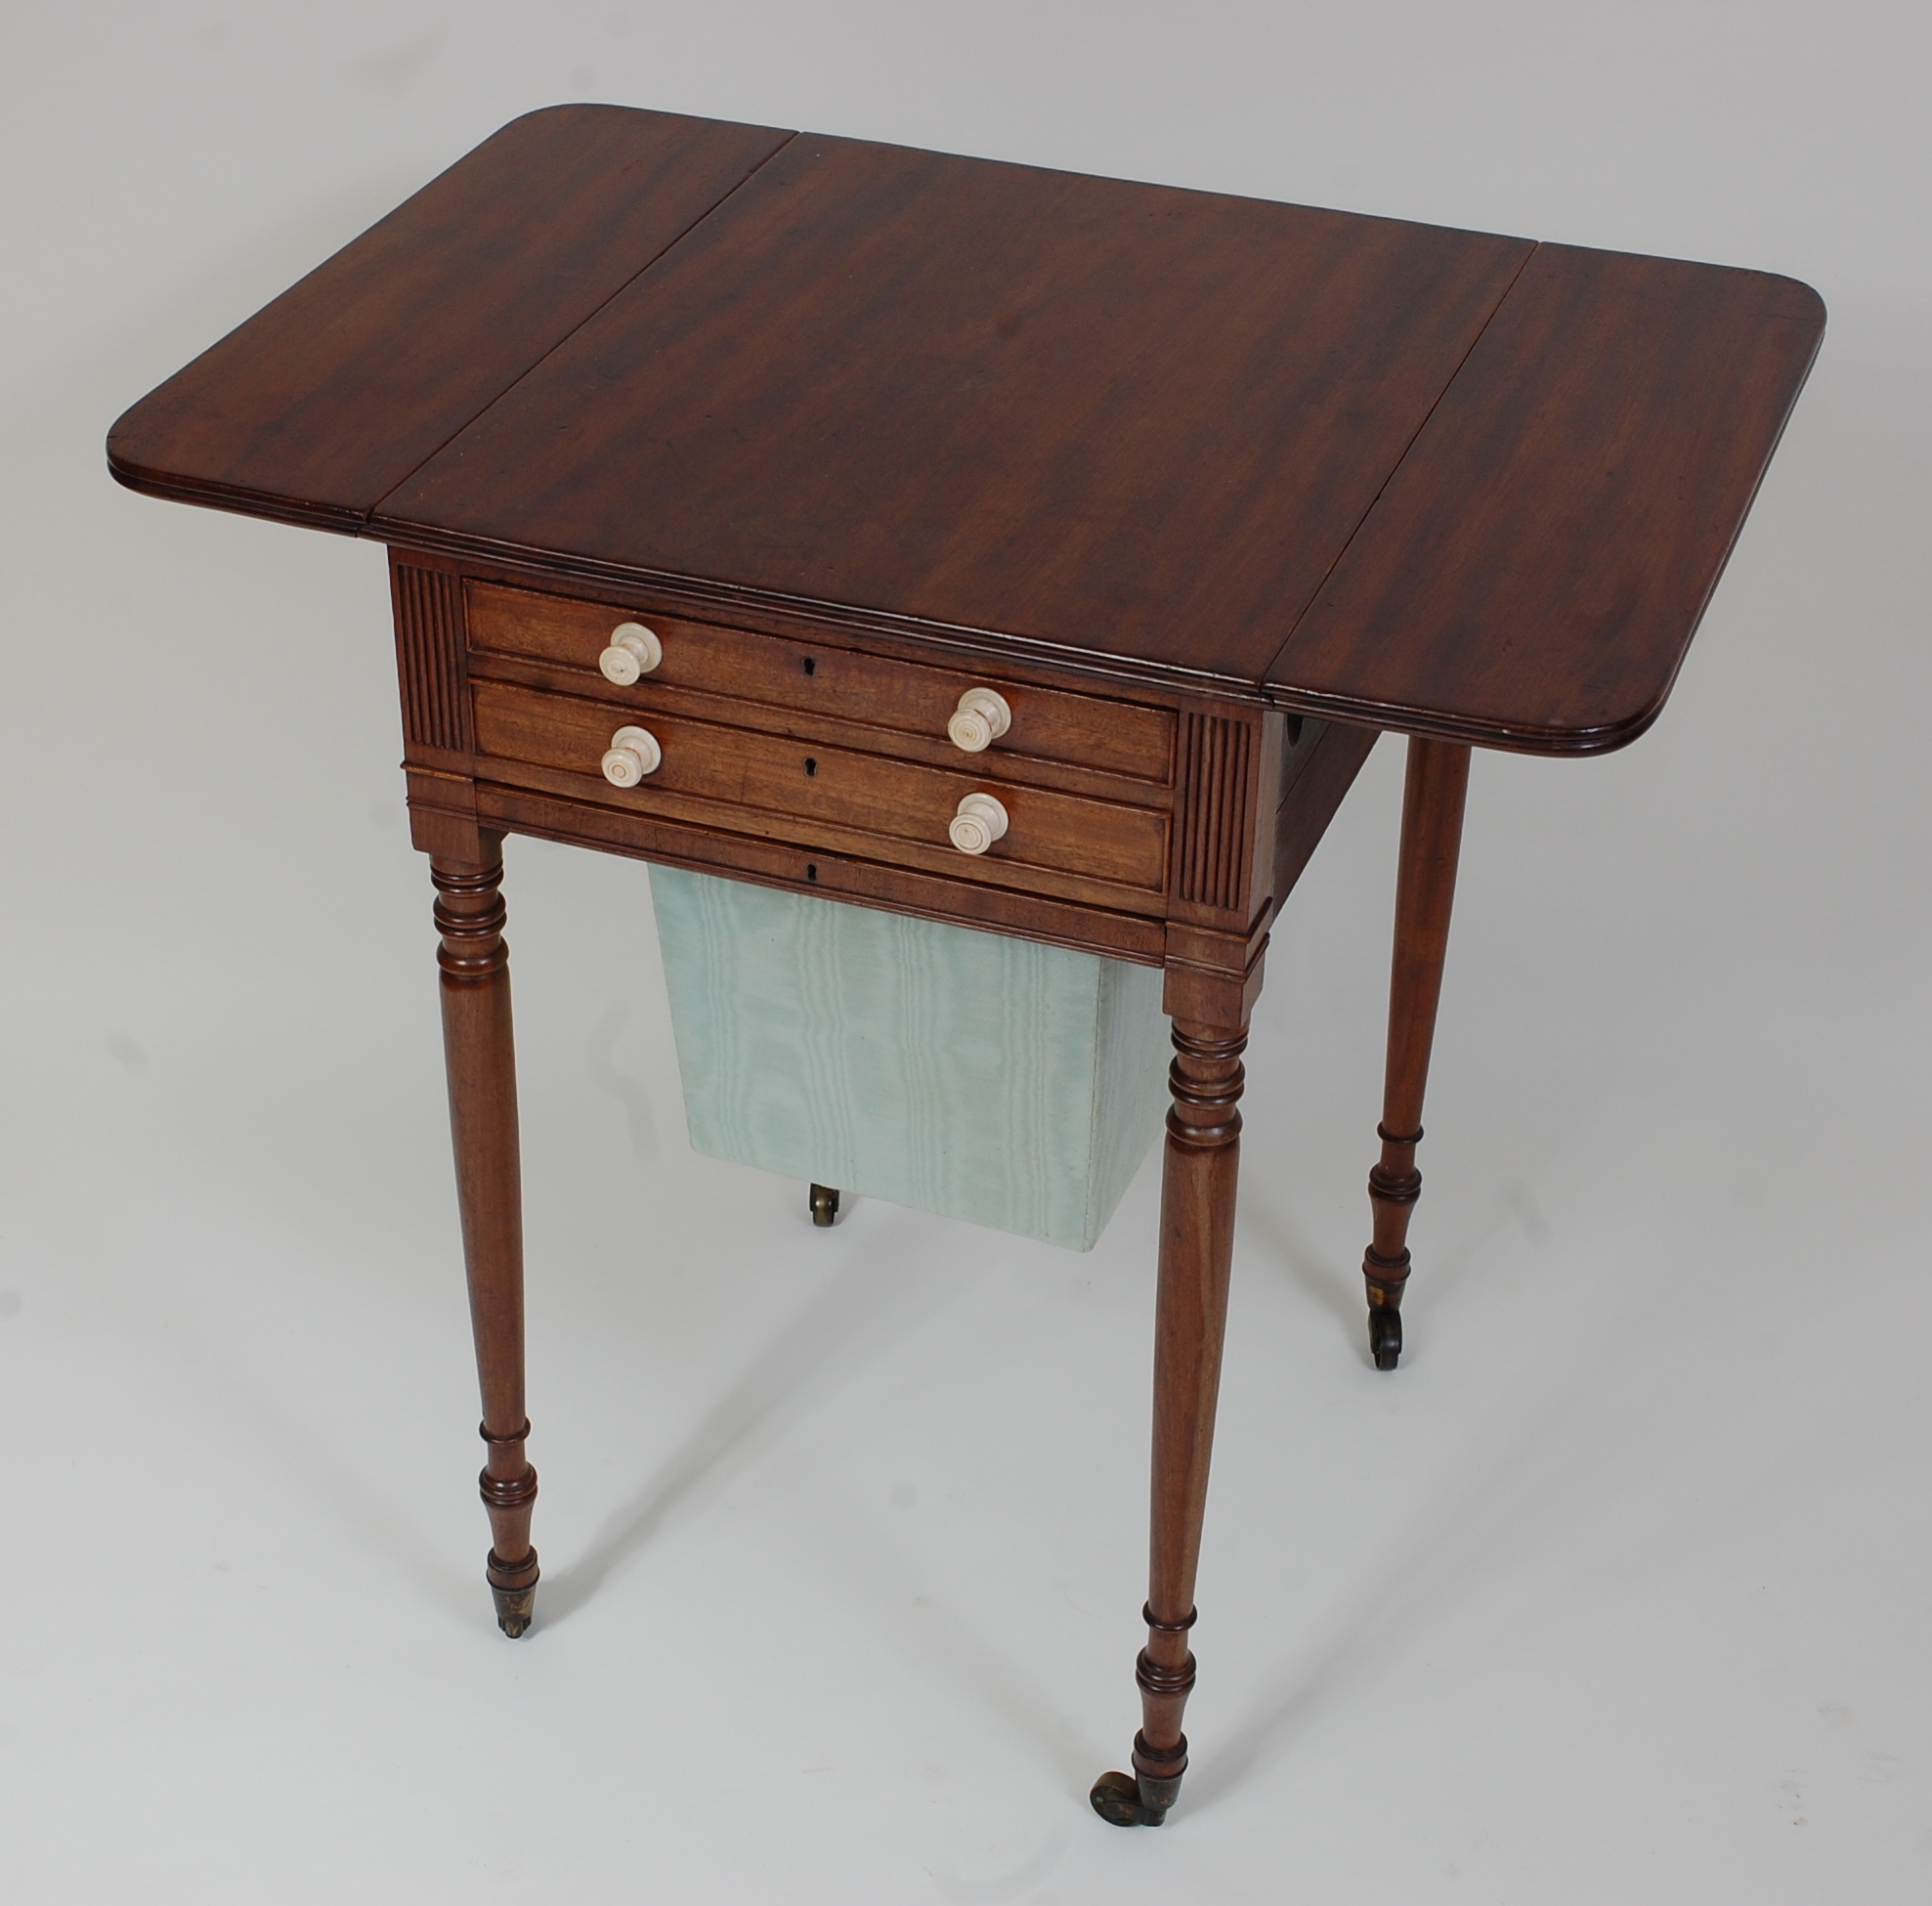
pixel 1429 480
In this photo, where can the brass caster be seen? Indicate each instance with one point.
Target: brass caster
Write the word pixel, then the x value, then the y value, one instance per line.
pixel 1385 1336
pixel 825 1206
pixel 516 1608
pixel 1117 1801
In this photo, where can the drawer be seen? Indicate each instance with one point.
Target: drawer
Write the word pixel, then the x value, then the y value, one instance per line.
pixel 898 697
pixel 756 782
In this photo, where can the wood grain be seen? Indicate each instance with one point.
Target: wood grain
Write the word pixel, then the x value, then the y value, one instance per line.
pixel 830 870
pixel 1198 1186
pixel 808 678
pixel 1535 569
pixel 823 787
pixel 1108 417
pixel 1433 797
pixel 1214 831
pixel 428 607
pixel 1435 481
pixel 326 399
pixel 644 698
pixel 480 1055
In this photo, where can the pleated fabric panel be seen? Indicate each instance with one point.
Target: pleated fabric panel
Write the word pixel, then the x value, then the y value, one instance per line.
pixel 993 1079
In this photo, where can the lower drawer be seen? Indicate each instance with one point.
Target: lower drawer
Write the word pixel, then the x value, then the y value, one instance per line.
pixel 775 784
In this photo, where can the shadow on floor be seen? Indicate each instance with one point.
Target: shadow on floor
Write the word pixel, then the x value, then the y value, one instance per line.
pixel 867 1309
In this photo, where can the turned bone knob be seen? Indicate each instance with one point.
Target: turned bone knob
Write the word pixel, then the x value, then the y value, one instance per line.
pixel 980 720
pixel 981 821
pixel 634 754
pixel 633 651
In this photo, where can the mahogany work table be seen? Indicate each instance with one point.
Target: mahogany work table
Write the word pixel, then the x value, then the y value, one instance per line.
pixel 774 441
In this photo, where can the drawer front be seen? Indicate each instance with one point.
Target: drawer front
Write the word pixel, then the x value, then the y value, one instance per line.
pixel 900 697
pixel 770 784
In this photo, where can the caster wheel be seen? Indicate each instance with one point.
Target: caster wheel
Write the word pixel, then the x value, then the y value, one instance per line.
pixel 1117 1801
pixel 516 1609
pixel 824 1205
pixel 1384 1337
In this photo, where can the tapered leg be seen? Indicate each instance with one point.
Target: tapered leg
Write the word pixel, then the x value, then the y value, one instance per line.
pixel 1425 893
pixel 1198 1246
pixel 481 1060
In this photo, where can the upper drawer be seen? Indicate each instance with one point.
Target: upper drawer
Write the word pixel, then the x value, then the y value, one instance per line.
pixel 1125 738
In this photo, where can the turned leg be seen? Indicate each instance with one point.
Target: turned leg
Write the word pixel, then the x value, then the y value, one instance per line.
pixel 481 1060
pixel 1425 893
pixel 1197 1246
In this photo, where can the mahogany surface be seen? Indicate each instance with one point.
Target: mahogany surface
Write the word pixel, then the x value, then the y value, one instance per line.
pixel 328 398
pixel 772 782
pixel 1213 490
pixel 1434 794
pixel 1190 1324
pixel 1534 573
pixel 1424 479
pixel 480 1055
pixel 1112 418
pixel 806 688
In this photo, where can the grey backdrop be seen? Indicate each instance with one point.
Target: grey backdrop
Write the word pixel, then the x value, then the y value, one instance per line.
pixel 1617 1591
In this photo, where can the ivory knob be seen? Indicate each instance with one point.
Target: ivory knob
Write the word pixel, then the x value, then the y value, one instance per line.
pixel 634 651
pixel 980 720
pixel 634 754
pixel 981 821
